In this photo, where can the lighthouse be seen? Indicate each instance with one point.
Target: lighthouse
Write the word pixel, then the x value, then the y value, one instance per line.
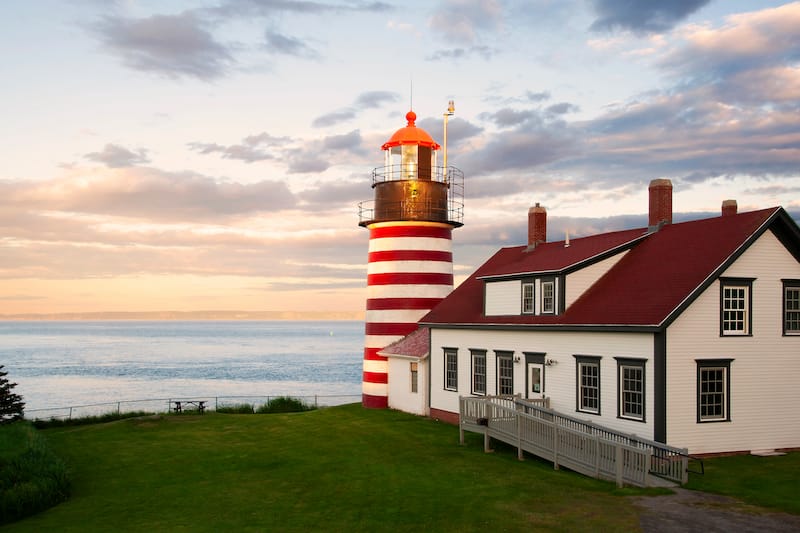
pixel 417 204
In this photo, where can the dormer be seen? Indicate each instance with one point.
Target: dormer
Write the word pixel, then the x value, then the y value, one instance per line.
pixel 533 295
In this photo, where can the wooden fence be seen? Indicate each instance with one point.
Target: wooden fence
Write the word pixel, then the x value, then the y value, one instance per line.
pixel 566 441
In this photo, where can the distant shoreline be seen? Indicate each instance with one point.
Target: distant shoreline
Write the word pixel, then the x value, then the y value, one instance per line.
pixel 187 315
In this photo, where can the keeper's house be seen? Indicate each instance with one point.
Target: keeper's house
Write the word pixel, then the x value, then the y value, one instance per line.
pixel 686 333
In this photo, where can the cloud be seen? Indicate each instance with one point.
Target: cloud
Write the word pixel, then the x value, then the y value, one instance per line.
pixel 271 8
pixel 175 46
pixel 149 193
pixel 756 41
pixel 375 99
pixel 278 43
pixel 461 21
pixel 562 108
pixel 365 100
pixel 333 118
pixel 455 54
pixel 250 150
pixel 294 153
pixel 458 129
pixel 642 16
pixel 115 156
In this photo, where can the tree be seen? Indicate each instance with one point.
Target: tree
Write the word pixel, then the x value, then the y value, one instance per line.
pixel 11 404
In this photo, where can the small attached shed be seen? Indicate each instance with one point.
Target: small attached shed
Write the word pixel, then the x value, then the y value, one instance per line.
pixel 408 372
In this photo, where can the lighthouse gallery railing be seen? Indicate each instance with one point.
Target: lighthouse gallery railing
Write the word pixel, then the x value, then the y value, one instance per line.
pixel 451 176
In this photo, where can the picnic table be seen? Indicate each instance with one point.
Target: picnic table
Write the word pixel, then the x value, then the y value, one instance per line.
pixel 179 405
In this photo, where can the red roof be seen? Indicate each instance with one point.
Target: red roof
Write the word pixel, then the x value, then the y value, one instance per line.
pixel 411 134
pixel 556 256
pixel 647 287
pixel 415 344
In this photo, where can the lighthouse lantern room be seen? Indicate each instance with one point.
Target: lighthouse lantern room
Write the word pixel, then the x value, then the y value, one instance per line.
pixel 416 205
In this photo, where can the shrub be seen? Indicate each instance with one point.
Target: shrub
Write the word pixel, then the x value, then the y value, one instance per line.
pixel 33 479
pixel 237 409
pixel 11 404
pixel 81 421
pixel 284 404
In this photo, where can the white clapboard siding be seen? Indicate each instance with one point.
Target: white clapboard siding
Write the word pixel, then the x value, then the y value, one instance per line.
pixel 559 378
pixel 765 370
pixel 503 298
pixel 580 280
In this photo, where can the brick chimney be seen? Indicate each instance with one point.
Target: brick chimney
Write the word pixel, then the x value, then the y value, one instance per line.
pixel 729 207
pixel 537 225
pixel 660 202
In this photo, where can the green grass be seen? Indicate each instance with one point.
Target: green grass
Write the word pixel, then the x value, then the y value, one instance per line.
pixel 336 469
pixel 772 482
pixel 344 469
pixel 32 478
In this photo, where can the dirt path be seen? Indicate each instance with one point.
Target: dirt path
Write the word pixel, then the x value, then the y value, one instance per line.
pixel 693 511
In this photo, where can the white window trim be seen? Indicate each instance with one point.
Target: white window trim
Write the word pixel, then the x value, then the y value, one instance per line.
pixel 790 286
pixel 637 364
pixel 448 354
pixel 745 285
pixel 542 291
pixel 531 309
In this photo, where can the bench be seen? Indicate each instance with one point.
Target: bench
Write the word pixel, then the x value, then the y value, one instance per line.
pixel 179 405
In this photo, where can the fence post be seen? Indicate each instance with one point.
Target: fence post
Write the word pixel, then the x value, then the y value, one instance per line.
pixel 118 408
pixel 597 456
pixel 461 408
pixel 555 446
pixel 618 464
pixel 70 413
pixel 646 466
pixel 685 466
pixel 519 436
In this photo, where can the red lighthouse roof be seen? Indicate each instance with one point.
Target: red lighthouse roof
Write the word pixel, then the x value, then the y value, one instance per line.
pixel 411 134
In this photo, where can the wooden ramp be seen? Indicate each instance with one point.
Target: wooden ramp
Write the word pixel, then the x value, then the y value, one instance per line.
pixel 592 450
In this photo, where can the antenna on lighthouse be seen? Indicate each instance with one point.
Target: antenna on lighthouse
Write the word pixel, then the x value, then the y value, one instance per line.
pixel 451 109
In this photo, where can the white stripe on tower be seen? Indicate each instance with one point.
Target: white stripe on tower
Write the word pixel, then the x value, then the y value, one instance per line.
pixel 410 270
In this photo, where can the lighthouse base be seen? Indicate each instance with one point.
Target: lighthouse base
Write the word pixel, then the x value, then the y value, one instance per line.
pixel 374 402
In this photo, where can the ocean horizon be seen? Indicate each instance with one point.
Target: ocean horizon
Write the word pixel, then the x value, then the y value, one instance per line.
pixel 62 363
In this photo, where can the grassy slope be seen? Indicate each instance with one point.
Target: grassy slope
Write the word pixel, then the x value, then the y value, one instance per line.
pixel 336 469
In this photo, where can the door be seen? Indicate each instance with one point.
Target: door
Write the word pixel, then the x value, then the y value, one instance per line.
pixel 535 389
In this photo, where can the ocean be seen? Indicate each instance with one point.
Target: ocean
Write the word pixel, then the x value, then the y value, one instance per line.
pixel 61 364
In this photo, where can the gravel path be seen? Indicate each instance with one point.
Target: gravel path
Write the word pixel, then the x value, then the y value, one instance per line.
pixel 693 511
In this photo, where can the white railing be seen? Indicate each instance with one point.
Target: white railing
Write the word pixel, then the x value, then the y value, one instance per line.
pixel 566 441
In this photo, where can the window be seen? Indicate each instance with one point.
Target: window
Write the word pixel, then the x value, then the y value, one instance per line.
pixel 588 383
pixel 791 307
pixel 414 377
pixel 630 385
pixel 451 369
pixel 713 390
pixel 478 371
pixel 505 372
pixel 735 308
pixel 527 297
pixel 548 297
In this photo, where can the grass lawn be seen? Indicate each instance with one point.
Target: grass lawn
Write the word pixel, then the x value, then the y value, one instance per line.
pixel 772 482
pixel 336 469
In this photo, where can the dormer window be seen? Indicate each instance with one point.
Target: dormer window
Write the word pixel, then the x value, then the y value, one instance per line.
pixel 548 292
pixel 528 301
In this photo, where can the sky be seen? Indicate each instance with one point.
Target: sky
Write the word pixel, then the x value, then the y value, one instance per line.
pixel 211 155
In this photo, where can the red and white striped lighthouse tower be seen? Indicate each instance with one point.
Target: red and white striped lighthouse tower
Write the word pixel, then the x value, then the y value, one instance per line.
pixel 416 206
